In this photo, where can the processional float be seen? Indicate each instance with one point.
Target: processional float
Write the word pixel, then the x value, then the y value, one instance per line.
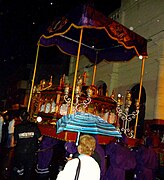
pixel 85 31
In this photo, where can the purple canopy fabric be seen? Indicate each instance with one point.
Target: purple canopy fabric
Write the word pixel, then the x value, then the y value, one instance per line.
pixel 103 38
pixel 121 159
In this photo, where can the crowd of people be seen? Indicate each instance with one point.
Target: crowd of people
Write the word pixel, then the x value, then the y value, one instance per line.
pixel 88 160
pixel 140 162
pixel 7 125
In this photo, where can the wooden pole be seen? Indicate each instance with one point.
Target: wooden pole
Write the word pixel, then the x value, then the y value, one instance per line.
pixel 94 74
pixel 33 79
pixel 76 68
pixel 139 97
pixel 94 70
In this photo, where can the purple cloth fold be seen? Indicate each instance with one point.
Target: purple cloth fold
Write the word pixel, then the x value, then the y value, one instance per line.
pixel 147 163
pixel 46 152
pixel 121 158
pixel 101 153
pixel 112 41
pixel 70 147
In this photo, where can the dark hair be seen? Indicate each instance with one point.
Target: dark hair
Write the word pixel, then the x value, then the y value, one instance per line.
pixel 149 142
pixel 24 115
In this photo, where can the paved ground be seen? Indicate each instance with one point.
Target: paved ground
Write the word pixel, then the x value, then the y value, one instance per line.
pixel 6 164
pixel 7 159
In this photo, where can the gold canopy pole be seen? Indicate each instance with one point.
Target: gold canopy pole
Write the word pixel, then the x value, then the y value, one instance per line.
pixel 140 91
pixel 32 84
pixel 76 68
pixel 94 70
pixel 94 74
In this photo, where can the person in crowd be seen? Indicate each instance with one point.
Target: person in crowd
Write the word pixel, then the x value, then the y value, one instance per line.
pixel 45 154
pixel 72 152
pixel 26 135
pixel 5 130
pixel 98 155
pixel 1 124
pixel 147 161
pixel 161 157
pixel 87 167
pixel 101 151
pixel 10 141
pixel 120 159
pixel 155 139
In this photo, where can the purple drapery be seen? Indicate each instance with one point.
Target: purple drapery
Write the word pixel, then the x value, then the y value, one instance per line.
pixel 121 159
pixel 70 147
pixel 103 38
pixel 101 153
pixel 45 153
pixel 147 163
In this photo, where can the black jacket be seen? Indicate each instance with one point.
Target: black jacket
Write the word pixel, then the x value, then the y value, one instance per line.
pixel 26 136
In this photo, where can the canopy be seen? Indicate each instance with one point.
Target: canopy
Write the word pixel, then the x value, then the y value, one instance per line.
pixel 103 38
pixel 85 31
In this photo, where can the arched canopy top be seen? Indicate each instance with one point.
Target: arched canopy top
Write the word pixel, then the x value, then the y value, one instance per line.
pixel 103 38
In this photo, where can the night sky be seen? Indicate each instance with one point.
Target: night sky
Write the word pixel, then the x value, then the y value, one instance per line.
pixel 23 22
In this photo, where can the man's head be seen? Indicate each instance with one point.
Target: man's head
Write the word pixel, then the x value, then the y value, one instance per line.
pixel 87 145
pixel 24 115
pixel 149 142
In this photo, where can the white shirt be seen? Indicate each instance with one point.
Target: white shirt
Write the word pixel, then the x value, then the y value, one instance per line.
pixel 1 124
pixel 11 126
pixel 89 170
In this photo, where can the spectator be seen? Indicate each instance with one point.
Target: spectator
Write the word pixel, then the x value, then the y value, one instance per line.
pixel 45 154
pixel 5 130
pixel 26 135
pixel 155 139
pixel 98 155
pixel 121 159
pixel 147 161
pixel 87 167
pixel 1 124
pixel 10 141
pixel 72 152
pixel 161 158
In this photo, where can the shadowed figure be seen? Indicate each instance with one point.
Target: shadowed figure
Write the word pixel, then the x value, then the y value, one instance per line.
pixel 99 149
pixel 45 154
pixel 147 161
pixel 26 135
pixel 121 158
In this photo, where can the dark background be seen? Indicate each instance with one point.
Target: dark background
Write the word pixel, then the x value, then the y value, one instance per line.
pixel 22 22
